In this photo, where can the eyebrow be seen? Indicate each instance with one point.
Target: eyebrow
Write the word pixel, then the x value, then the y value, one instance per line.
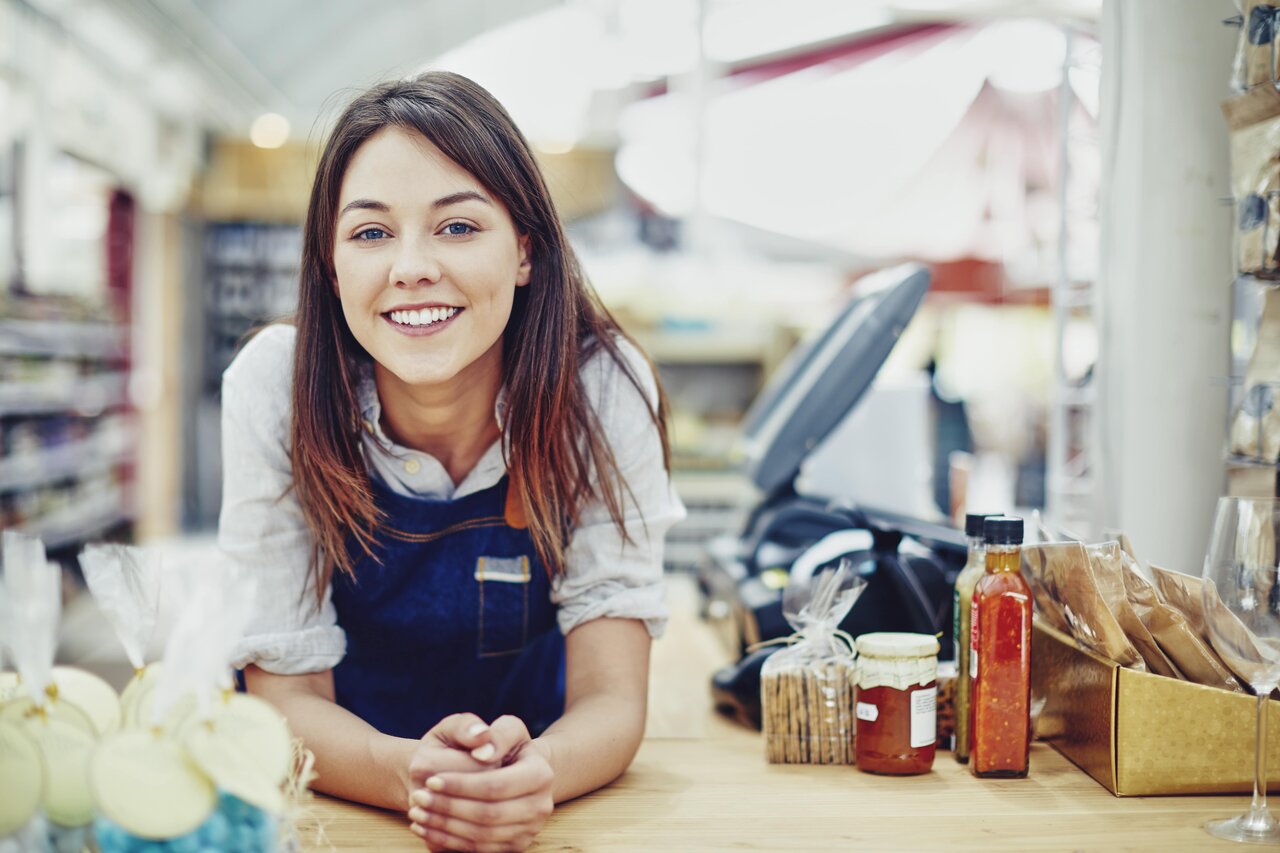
pixel 445 201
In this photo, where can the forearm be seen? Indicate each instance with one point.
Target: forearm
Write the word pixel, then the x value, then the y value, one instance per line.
pixel 592 744
pixel 353 759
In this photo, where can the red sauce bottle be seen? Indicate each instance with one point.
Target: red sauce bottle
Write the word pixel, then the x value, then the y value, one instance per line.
pixel 1000 657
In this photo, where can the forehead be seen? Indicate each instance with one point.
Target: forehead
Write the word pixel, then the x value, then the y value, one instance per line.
pixel 398 163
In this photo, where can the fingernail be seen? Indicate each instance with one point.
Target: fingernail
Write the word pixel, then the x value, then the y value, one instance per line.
pixel 435 783
pixel 477 730
pixel 417 815
pixel 417 830
pixel 483 753
pixel 421 797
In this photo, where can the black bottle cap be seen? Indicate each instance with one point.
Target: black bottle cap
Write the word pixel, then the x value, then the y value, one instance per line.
pixel 973 524
pixel 1002 530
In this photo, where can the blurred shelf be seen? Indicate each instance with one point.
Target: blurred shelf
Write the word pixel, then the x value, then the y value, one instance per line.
pixel 74 340
pixel 708 347
pixel 1238 461
pixel 87 456
pixel 80 521
pixel 90 395
pixel 1247 278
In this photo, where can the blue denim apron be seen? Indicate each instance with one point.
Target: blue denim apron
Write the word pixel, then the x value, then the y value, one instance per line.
pixel 457 616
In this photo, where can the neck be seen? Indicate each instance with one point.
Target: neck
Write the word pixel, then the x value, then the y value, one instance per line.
pixel 452 421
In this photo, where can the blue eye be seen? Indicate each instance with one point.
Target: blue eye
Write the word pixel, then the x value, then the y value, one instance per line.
pixel 369 234
pixel 458 229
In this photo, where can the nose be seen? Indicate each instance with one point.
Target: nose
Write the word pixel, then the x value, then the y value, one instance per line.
pixel 415 263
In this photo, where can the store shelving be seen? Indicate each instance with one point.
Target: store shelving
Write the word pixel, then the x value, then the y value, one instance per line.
pixel 90 395
pixel 93 455
pixel 81 520
pixel 68 444
pixel 70 339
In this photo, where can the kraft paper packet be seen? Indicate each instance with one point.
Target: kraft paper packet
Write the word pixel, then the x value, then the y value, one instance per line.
pixel 1255 186
pixel 1047 607
pixel 1252 65
pixel 1238 647
pixel 1107 561
pixel 1193 657
pixel 1068 581
pixel 1255 429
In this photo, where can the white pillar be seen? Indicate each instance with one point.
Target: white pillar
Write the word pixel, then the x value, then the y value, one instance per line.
pixel 1164 295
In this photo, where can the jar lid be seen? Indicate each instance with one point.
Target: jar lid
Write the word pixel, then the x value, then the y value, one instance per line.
pixel 895 645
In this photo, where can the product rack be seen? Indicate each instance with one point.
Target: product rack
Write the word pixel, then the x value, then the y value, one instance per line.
pixel 68 441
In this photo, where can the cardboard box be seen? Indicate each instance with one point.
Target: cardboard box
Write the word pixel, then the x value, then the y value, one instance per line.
pixel 1140 734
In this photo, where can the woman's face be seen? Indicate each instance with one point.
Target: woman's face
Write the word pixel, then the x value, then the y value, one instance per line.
pixel 427 262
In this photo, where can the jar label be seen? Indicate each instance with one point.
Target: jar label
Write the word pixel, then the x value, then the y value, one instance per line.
pixel 867 711
pixel 924 717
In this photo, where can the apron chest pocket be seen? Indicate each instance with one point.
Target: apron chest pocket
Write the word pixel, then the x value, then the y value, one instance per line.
pixel 503 587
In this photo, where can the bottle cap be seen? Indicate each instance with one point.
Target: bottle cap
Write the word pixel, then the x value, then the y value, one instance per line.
pixel 973 524
pixel 1003 530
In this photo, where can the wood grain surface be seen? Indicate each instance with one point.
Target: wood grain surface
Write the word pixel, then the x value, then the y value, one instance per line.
pixel 701 783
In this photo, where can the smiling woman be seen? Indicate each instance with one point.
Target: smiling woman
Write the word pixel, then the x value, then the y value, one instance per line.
pixel 450 477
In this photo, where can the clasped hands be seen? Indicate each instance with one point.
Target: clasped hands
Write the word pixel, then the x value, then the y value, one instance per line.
pixel 479 787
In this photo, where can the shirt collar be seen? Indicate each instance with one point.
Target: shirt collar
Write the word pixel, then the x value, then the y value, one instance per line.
pixel 371 406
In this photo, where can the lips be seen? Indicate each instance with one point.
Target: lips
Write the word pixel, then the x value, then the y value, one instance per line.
pixel 426 320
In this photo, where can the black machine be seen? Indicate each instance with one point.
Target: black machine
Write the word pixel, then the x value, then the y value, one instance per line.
pixel 910 564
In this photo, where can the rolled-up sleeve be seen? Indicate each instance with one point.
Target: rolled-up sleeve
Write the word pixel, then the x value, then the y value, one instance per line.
pixel 261 526
pixel 605 575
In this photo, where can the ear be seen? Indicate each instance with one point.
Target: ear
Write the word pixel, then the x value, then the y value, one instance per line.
pixel 526 266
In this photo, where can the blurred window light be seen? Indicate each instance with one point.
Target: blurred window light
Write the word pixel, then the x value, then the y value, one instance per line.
pixel 269 130
pixel 123 44
pixel 757 28
pixel 1025 56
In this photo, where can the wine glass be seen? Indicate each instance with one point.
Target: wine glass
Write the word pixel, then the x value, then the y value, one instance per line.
pixel 1241 598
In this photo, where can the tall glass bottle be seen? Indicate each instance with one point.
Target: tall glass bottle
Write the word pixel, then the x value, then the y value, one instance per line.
pixel 973 570
pixel 1000 657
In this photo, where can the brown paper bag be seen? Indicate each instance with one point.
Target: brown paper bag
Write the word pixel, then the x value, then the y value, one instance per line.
pixel 1068 581
pixel 1183 645
pixel 1107 560
pixel 1238 647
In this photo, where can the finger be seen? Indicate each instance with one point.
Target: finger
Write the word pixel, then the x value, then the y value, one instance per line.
pixel 520 810
pixel 506 735
pixel 441 841
pixel 476 833
pixel 517 779
pixel 427 762
pixel 466 731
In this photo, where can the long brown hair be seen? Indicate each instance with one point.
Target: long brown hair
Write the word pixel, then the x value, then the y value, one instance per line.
pixel 555 453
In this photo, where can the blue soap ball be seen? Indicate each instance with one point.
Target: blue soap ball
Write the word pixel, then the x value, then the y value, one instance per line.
pixel 113 839
pixel 188 843
pixel 233 807
pixel 214 831
pixel 268 832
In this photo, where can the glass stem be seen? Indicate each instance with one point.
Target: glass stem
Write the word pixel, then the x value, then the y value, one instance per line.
pixel 1258 817
pixel 1260 758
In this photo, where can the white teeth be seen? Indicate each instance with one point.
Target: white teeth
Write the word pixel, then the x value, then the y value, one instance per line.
pixel 421 317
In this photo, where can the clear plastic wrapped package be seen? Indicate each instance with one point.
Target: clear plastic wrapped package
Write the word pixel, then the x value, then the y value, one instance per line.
pixel 62 733
pixel 808 690
pixel 211 765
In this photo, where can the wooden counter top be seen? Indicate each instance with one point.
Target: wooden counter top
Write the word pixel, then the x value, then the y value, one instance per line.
pixel 701 783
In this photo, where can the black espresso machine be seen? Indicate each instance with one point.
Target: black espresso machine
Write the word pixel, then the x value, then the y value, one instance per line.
pixel 909 563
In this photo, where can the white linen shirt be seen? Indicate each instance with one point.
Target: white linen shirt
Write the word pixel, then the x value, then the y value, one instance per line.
pixel 262 528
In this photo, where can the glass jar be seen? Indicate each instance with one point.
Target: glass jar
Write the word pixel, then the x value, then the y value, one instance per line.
pixel 897 704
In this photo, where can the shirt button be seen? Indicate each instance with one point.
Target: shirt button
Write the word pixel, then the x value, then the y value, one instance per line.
pixel 413 466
